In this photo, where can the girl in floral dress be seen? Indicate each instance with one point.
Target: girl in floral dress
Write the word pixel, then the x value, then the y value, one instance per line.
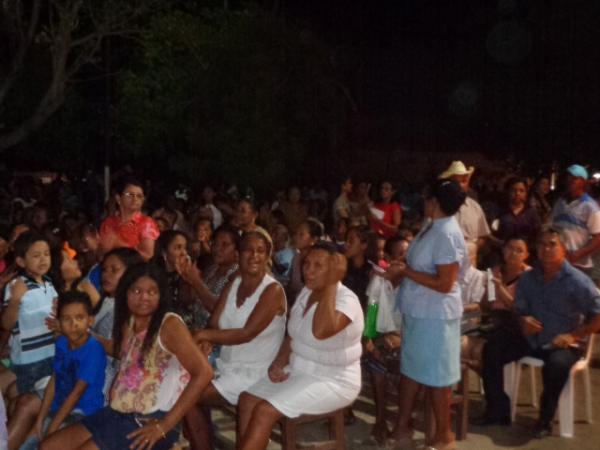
pixel 161 375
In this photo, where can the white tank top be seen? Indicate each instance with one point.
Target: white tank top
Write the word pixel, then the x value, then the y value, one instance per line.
pixel 261 350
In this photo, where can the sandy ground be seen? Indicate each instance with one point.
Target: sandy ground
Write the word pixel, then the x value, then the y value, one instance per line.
pixel 517 436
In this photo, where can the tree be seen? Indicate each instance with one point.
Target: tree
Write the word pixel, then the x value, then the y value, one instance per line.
pixel 237 95
pixel 64 36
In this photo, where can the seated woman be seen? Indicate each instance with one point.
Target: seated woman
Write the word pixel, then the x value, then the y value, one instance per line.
pixel 128 226
pixel 249 323
pixel 317 369
pixel 506 276
pixel 172 254
pixel 161 374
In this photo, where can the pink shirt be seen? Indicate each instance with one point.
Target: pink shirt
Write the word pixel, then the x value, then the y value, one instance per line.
pixel 130 232
pixel 388 217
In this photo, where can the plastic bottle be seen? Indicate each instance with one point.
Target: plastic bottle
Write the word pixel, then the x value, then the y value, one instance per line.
pixel 370 331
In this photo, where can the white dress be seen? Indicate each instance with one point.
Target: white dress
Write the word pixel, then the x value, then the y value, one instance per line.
pixel 240 366
pixel 325 374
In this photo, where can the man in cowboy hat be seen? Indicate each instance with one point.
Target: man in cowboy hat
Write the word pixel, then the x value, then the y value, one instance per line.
pixel 470 217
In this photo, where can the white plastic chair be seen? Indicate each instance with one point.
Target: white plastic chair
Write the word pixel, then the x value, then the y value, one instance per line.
pixel 567 396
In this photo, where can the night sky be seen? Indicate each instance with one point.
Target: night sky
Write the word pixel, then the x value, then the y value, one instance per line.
pixel 497 76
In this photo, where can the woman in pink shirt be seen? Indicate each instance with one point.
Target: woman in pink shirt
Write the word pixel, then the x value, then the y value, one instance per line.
pixel 388 223
pixel 128 227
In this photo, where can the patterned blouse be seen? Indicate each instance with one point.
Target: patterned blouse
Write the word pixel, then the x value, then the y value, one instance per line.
pixel 155 384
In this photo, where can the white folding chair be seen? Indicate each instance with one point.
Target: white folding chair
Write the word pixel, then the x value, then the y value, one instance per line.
pixel 567 397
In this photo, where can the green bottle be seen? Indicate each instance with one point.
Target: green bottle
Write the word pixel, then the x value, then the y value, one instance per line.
pixel 370 331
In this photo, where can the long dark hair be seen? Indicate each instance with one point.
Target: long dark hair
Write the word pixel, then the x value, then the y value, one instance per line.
pixel 55 273
pixel 162 245
pixel 122 313
pixel 128 257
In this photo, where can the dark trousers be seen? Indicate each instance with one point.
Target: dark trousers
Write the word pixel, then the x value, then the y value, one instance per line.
pixel 504 346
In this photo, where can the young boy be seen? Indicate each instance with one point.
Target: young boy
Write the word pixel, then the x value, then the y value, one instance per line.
pixel 75 388
pixel 28 301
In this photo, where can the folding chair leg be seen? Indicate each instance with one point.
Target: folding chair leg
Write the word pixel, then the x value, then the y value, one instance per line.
pixel 587 385
pixel 565 409
pixel 534 396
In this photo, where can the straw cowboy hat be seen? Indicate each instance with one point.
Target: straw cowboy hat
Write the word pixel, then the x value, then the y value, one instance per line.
pixel 456 168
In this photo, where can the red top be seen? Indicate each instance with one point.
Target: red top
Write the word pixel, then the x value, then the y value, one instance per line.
pixel 131 232
pixel 388 215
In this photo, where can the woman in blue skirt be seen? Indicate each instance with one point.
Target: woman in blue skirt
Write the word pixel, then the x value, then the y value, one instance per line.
pixel 430 302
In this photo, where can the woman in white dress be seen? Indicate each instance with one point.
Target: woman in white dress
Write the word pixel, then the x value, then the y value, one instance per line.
pixel 317 369
pixel 248 322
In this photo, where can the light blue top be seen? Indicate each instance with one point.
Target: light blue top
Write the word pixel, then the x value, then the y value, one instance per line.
pixel 438 243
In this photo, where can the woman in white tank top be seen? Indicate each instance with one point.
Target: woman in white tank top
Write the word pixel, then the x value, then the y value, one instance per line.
pixel 248 322
pixel 317 369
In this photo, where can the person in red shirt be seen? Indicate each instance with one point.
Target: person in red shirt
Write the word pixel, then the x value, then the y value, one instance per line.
pixel 386 224
pixel 128 227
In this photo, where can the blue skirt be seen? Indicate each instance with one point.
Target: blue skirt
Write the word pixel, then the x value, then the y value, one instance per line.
pixel 430 351
pixel 109 429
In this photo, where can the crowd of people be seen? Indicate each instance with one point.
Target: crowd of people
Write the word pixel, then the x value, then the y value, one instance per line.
pixel 122 330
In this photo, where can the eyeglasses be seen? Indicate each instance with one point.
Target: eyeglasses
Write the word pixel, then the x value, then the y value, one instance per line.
pixel 132 195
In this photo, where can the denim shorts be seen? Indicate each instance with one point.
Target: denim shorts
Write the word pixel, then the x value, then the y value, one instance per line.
pixel 109 429
pixel 29 374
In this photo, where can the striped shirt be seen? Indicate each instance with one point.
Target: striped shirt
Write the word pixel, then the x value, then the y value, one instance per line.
pixel 30 339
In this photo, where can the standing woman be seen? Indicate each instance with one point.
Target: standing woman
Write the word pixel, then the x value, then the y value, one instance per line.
pixel 161 374
pixel 246 215
pixel 518 218
pixel 128 227
pixel 388 224
pixel 430 301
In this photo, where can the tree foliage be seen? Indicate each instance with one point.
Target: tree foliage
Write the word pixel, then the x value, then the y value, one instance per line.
pixel 53 39
pixel 240 96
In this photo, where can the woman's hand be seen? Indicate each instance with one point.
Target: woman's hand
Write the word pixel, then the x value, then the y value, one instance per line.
pixel 391 341
pixel 199 337
pixel 277 373
pixel 338 265
pixel 205 347
pixel 395 269
pixel 188 270
pixel 147 436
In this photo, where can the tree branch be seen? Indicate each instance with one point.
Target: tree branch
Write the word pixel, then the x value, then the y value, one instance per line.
pixel 16 65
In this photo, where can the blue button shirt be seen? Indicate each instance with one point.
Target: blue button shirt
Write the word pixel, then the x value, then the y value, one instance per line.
pixel 560 304
pixel 440 242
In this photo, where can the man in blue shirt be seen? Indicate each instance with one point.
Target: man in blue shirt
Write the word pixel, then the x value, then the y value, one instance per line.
pixel 557 306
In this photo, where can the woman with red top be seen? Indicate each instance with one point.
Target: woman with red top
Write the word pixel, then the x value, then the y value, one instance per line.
pixel 386 224
pixel 128 227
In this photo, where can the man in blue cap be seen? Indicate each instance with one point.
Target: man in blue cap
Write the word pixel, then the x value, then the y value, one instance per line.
pixel 578 215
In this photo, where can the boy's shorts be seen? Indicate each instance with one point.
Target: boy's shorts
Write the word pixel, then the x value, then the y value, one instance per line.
pixel 29 374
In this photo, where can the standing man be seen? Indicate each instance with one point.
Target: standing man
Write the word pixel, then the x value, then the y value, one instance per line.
pixel 578 215
pixel 551 302
pixel 470 216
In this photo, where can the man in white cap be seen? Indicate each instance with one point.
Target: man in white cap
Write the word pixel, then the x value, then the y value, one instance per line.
pixel 470 216
pixel 578 215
